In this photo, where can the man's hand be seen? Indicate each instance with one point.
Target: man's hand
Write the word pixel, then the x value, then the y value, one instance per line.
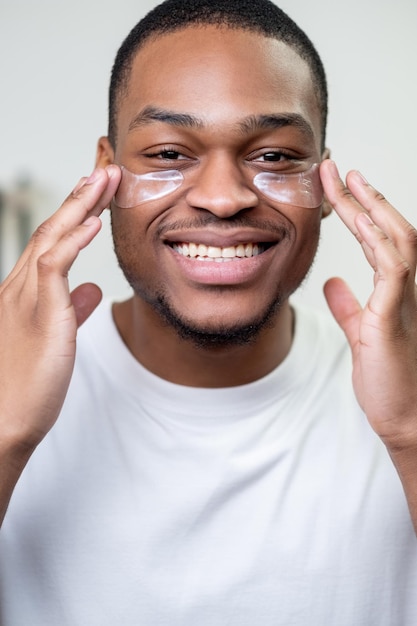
pixel 383 334
pixel 39 317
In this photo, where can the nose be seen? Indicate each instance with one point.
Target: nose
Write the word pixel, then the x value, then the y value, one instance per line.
pixel 220 187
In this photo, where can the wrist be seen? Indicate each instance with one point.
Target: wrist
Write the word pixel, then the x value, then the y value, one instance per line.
pixel 399 435
pixel 403 453
pixel 15 452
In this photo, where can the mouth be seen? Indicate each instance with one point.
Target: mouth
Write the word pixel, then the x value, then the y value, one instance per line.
pixel 203 252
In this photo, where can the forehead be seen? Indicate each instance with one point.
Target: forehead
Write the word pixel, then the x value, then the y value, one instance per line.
pixel 219 75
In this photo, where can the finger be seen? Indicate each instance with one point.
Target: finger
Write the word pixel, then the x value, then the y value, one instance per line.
pixel 90 196
pixel 385 216
pixel 85 298
pixel 340 196
pixel 394 278
pixel 114 175
pixel 344 203
pixel 345 308
pixel 53 266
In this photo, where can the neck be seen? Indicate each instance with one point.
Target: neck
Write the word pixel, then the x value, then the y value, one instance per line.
pixel 158 347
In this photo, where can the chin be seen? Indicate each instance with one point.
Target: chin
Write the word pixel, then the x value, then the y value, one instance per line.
pixel 216 333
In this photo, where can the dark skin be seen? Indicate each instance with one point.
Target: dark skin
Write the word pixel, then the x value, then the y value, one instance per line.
pixel 221 147
pixel 39 317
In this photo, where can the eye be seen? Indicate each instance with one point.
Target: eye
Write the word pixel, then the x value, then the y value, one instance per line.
pixel 273 156
pixel 172 155
pixel 166 154
pixel 276 160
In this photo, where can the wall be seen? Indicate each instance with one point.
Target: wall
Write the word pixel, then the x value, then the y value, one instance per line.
pixel 55 60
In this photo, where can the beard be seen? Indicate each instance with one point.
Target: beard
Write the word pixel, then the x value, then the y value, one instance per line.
pixel 220 336
pixel 239 334
pixel 242 332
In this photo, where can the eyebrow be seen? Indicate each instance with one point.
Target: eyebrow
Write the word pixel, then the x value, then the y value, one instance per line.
pixel 271 121
pixel 250 124
pixel 151 114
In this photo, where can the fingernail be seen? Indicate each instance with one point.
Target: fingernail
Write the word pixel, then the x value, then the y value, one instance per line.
pixel 361 177
pixel 111 170
pixel 85 181
pixel 80 184
pixel 333 170
pixel 93 177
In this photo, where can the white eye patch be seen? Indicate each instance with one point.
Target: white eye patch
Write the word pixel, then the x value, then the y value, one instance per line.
pixel 135 189
pixel 301 189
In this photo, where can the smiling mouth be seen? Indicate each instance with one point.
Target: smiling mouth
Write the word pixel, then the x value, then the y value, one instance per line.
pixel 202 252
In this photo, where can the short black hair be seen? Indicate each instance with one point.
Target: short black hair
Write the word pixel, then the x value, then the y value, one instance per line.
pixel 259 16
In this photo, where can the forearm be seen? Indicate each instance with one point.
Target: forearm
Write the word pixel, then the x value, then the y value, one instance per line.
pixel 405 461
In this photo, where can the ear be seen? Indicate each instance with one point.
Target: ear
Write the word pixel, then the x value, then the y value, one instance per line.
pixel 105 152
pixel 326 207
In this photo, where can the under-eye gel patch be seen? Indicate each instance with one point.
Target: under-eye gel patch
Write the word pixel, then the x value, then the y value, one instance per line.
pixel 301 189
pixel 135 189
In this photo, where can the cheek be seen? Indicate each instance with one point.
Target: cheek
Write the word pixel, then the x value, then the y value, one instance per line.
pixel 304 225
pixel 307 235
pixel 129 240
pixel 134 225
pixel 124 229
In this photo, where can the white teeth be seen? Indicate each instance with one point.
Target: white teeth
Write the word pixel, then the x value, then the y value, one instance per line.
pixel 201 252
pixel 229 253
pixel 240 250
pixel 192 250
pixel 213 252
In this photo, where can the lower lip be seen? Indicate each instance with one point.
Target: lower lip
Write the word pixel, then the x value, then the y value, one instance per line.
pixel 233 272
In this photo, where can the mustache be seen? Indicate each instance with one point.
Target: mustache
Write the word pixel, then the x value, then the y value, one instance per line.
pixel 233 222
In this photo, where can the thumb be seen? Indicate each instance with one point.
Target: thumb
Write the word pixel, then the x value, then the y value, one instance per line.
pixel 85 298
pixel 344 306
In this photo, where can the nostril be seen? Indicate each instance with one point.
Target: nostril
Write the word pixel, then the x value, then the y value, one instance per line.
pixel 223 200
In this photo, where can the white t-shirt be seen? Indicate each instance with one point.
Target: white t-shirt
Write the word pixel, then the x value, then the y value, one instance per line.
pixel 154 504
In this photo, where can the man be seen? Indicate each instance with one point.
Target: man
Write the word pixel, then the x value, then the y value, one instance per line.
pixel 206 460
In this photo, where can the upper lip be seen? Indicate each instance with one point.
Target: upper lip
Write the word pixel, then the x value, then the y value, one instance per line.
pixel 221 239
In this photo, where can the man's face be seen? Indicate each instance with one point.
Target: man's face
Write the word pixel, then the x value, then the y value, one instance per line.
pixel 209 102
